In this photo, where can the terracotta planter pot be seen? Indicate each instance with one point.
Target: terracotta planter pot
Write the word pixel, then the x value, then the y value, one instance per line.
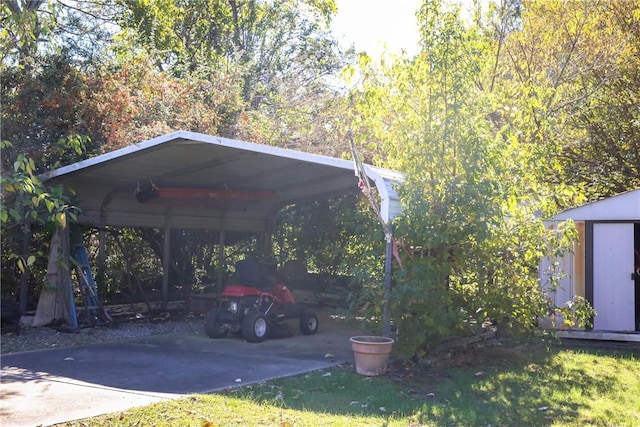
pixel 371 354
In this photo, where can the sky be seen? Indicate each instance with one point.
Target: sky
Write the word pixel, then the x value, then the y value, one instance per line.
pixel 372 24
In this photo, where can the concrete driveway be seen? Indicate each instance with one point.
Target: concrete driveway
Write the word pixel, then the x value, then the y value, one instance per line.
pixel 58 385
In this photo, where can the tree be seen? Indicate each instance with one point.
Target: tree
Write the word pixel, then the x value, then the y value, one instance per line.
pixel 266 40
pixel 32 27
pixel 472 239
pixel 23 27
pixel 41 116
pixel 137 102
pixel 602 151
pixel 44 113
pixel 27 205
pixel 281 53
pixel 570 75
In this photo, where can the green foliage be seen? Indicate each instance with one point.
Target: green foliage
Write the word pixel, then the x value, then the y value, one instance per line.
pixel 270 41
pixel 46 113
pixel 577 313
pixel 327 236
pixel 33 28
pixel 26 200
pixel 136 102
pixel 24 24
pixel 277 54
pixel 477 163
pixel 567 83
pixel 27 205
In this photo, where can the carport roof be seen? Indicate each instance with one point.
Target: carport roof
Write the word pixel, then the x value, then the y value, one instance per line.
pixel 215 183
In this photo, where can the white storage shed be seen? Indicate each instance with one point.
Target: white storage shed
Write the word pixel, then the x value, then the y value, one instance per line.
pixel 603 267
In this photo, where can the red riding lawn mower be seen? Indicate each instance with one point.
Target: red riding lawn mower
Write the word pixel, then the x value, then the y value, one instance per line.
pixel 254 305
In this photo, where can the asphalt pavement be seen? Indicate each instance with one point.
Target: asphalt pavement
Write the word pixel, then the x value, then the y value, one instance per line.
pixel 59 385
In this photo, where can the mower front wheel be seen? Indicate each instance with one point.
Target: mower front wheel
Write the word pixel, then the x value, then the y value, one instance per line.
pixel 255 326
pixel 212 324
pixel 309 323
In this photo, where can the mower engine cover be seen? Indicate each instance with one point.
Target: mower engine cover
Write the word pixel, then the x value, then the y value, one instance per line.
pixel 241 291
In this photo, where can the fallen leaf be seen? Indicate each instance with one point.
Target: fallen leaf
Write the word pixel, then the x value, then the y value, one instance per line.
pixel 207 423
pixel 286 424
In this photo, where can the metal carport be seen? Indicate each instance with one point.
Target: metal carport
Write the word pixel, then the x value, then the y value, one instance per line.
pixel 249 183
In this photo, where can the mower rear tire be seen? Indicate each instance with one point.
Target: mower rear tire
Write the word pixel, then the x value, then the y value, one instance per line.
pixel 255 327
pixel 309 323
pixel 212 324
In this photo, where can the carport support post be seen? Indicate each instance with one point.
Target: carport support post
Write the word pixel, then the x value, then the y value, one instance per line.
pixel 166 257
pixel 267 237
pixel 386 309
pixel 102 256
pixel 221 259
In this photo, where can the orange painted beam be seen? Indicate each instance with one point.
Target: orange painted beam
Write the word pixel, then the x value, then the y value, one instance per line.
pixel 209 193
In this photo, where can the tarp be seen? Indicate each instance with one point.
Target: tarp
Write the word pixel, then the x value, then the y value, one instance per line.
pixel 56 294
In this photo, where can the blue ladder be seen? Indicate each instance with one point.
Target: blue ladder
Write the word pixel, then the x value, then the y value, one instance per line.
pixel 95 313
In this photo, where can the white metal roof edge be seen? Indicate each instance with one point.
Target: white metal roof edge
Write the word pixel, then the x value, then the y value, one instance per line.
pixel 288 153
pixel 227 142
pixel 578 213
pixel 111 155
pixel 267 149
pixel 388 195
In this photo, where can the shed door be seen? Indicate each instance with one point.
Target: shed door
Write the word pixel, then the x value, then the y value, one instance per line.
pixel 613 286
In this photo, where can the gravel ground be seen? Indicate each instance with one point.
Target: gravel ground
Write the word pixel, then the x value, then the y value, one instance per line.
pixel 48 337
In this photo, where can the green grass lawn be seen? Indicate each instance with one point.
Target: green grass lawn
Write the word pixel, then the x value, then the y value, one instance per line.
pixel 524 385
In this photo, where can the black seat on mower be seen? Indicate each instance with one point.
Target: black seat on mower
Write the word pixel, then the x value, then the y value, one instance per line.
pixel 249 272
pixel 254 273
